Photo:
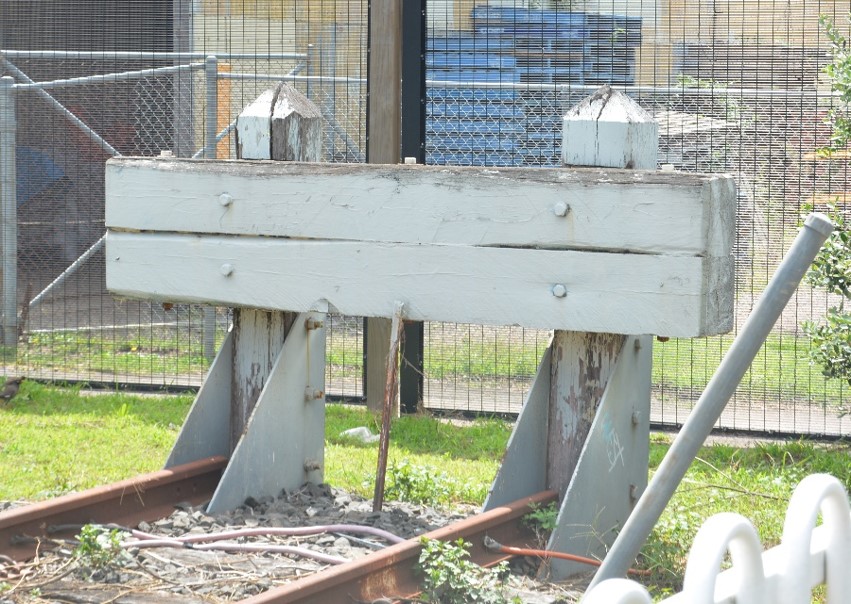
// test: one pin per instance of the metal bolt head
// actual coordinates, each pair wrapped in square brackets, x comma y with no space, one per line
[559,290]
[226,269]
[225,199]
[561,209]
[311,323]
[313,394]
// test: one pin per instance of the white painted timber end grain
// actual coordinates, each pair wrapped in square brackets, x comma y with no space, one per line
[609,129]
[254,128]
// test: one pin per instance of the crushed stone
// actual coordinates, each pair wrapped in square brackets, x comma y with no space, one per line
[193,575]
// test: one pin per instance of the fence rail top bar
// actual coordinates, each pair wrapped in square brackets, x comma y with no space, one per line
[111,77]
[104,55]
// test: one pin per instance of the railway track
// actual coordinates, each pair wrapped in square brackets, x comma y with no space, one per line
[25,530]
[386,574]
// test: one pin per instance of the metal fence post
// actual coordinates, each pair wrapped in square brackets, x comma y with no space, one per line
[211,79]
[9,211]
[412,371]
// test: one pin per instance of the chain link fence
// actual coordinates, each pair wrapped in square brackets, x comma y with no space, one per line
[499,77]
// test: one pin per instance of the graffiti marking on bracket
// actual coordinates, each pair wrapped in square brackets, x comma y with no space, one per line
[614,448]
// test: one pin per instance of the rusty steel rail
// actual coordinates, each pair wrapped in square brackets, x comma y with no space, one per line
[148,497]
[390,573]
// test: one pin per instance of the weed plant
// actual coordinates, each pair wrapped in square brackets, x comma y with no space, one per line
[449,577]
[99,548]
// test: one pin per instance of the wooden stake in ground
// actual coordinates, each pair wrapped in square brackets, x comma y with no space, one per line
[387,409]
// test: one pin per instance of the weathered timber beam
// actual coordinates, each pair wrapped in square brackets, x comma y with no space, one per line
[578,290]
[624,210]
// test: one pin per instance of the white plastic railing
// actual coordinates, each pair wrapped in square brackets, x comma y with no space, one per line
[808,556]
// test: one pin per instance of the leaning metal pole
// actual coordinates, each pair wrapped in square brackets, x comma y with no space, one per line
[711,403]
[211,73]
[8,212]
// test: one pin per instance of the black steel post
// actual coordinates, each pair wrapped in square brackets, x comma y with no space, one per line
[413,145]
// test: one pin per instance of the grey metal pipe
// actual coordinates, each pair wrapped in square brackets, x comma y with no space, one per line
[711,403]
[211,73]
[9,211]
[142,55]
[111,77]
[224,132]
[93,136]
[308,79]
[72,268]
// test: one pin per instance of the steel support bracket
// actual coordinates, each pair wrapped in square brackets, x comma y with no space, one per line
[282,446]
[610,471]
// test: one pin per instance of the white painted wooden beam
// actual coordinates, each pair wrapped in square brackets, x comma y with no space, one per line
[649,212]
[578,290]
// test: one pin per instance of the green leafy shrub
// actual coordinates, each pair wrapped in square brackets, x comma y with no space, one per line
[98,547]
[449,577]
[542,519]
[418,484]
[831,339]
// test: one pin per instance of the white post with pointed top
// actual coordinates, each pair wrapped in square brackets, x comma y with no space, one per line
[610,130]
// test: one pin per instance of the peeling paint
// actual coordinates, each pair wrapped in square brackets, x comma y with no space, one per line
[583,366]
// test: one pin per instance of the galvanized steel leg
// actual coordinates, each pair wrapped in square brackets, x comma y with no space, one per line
[524,466]
[284,442]
[611,472]
[206,431]
[9,212]
[600,475]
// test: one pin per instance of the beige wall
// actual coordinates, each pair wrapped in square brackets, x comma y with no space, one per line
[337,29]
[792,22]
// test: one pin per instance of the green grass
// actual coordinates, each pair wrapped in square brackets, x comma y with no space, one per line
[755,482]
[152,352]
[55,440]
[472,358]
[493,356]
[782,367]
[466,455]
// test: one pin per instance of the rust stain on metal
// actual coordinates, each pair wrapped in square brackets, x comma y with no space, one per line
[128,502]
[390,572]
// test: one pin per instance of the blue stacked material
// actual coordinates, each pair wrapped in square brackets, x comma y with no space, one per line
[559,47]
[467,125]
[523,22]
[483,124]
[36,172]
